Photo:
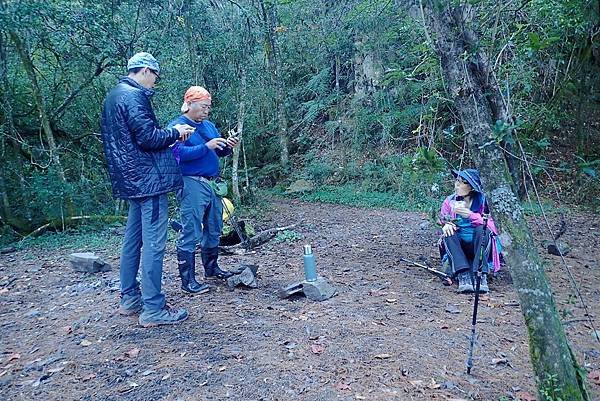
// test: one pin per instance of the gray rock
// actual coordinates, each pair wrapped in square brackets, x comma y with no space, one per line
[244,275]
[424,225]
[88,262]
[318,290]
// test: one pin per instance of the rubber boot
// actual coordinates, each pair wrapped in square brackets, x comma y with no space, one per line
[187,272]
[211,267]
[465,282]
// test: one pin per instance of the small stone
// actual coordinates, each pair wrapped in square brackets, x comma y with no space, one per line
[448,385]
[452,309]
[244,275]
[318,290]
[33,313]
[558,248]
[424,225]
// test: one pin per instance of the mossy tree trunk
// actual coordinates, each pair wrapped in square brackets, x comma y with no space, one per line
[479,104]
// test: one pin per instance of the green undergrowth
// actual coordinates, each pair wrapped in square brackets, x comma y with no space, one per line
[82,239]
[355,196]
[547,207]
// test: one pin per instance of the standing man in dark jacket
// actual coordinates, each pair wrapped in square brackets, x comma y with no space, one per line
[142,170]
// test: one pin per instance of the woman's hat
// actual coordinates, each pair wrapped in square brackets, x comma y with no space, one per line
[471,176]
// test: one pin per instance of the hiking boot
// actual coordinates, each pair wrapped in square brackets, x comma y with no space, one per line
[162,316]
[130,305]
[483,285]
[465,283]
[211,267]
[187,272]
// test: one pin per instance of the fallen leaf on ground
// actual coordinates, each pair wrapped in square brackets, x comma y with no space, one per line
[165,377]
[416,383]
[525,396]
[391,300]
[3,290]
[433,385]
[222,368]
[383,356]
[342,386]
[497,361]
[85,343]
[317,348]
[89,376]
[13,357]
[67,329]
[133,353]
[594,376]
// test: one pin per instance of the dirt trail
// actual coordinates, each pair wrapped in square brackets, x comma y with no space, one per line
[393,332]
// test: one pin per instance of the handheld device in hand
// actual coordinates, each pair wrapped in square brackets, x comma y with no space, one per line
[234,135]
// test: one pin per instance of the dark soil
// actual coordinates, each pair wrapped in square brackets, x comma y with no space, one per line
[392,333]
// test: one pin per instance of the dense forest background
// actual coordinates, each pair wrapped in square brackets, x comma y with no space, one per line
[348,94]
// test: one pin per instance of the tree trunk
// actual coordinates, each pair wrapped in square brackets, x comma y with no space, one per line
[235,162]
[475,95]
[368,69]
[271,20]
[39,101]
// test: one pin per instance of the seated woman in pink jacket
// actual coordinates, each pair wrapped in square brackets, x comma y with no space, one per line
[462,233]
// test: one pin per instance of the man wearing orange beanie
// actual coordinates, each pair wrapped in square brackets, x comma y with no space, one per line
[201,207]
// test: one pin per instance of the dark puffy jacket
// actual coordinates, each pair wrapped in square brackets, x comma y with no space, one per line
[139,160]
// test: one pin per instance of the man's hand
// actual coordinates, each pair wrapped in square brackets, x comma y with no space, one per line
[232,141]
[449,229]
[232,138]
[184,131]
[216,143]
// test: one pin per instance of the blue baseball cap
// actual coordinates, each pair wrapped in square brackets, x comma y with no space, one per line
[143,59]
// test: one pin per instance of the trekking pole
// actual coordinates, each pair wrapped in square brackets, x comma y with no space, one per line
[235,224]
[477,284]
[446,279]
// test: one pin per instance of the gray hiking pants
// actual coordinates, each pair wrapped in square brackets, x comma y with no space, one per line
[145,239]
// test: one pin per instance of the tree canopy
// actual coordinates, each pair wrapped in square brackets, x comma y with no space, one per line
[335,91]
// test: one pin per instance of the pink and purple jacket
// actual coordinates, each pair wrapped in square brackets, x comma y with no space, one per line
[476,220]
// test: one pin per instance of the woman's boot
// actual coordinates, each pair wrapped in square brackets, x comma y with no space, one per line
[465,282]
[187,272]
[483,285]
